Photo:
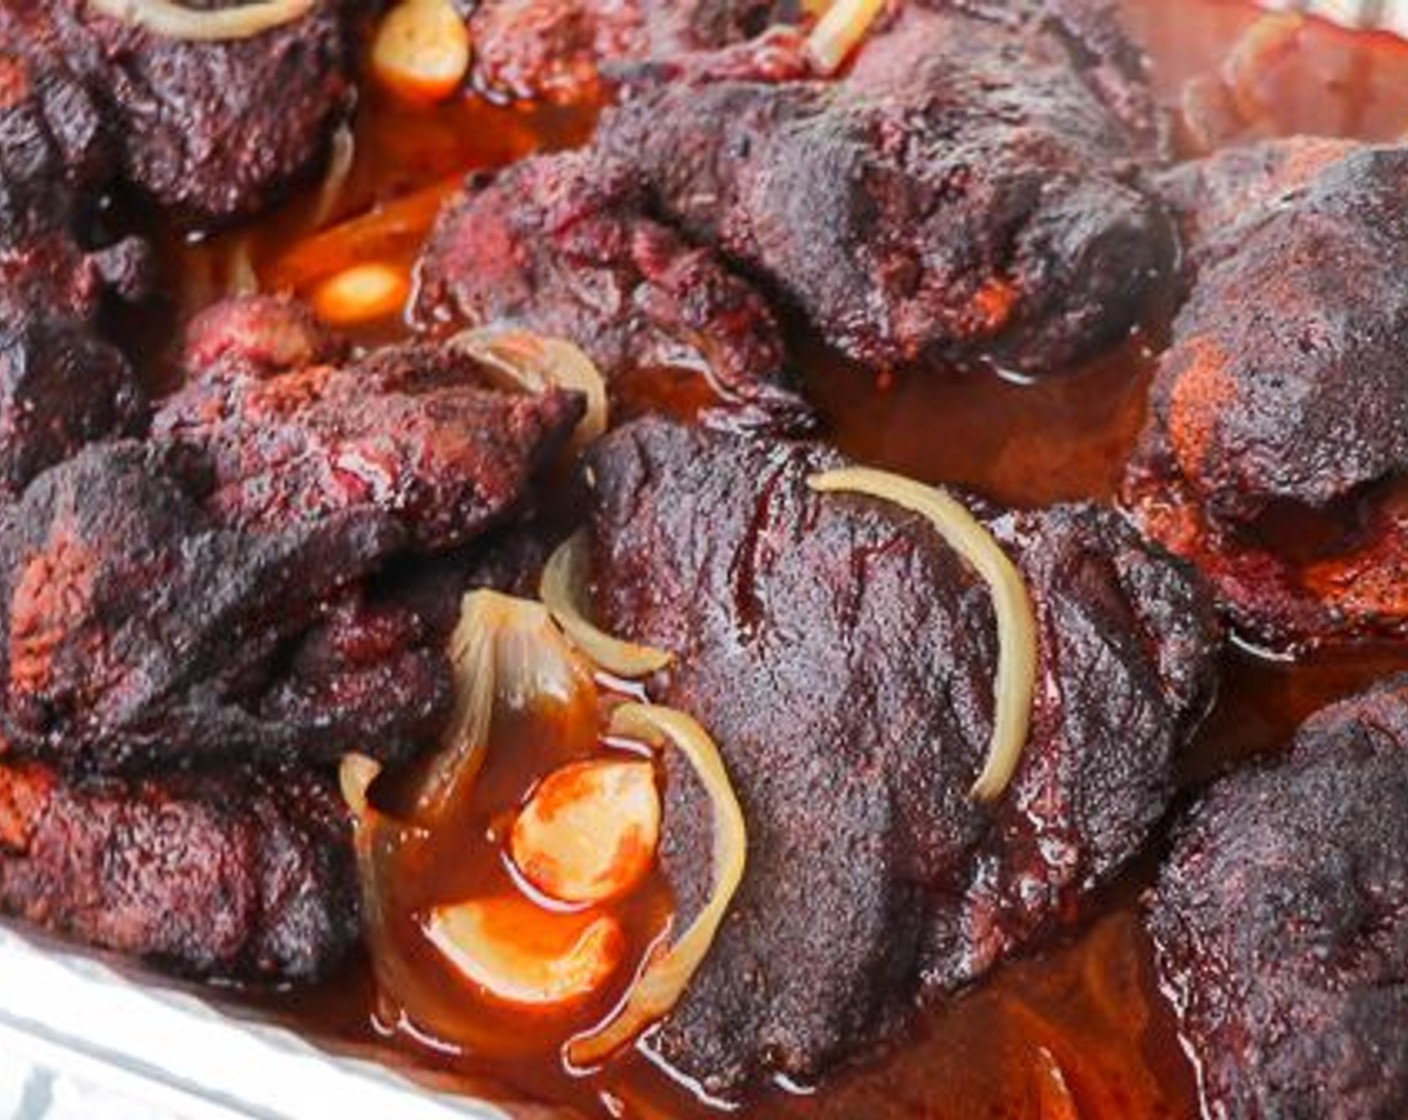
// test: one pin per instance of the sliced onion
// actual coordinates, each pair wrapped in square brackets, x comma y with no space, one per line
[176,21]
[531,362]
[564,576]
[355,777]
[504,650]
[1053,1090]
[342,155]
[242,279]
[380,846]
[1015,686]
[666,975]
[839,32]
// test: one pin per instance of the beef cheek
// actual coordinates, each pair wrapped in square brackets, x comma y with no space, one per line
[62,381]
[1278,433]
[210,131]
[234,876]
[565,246]
[843,658]
[969,188]
[137,630]
[416,433]
[1279,927]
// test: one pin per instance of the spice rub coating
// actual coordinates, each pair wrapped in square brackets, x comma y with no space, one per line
[970,187]
[843,658]
[295,431]
[1278,921]
[232,876]
[566,247]
[1278,434]
[210,131]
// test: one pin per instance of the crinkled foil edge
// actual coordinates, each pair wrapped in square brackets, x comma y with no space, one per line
[71,1027]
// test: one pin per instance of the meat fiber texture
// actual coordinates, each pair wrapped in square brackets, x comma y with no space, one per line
[566,247]
[417,432]
[232,876]
[88,103]
[1279,923]
[843,658]
[210,131]
[139,632]
[223,608]
[970,187]
[62,382]
[155,593]
[135,624]
[554,49]
[1281,398]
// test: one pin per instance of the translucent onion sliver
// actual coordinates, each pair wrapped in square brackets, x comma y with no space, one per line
[561,588]
[532,362]
[667,973]
[173,20]
[380,841]
[341,157]
[503,650]
[839,31]
[1015,686]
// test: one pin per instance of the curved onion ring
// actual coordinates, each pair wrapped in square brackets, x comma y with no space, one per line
[379,843]
[532,362]
[560,591]
[839,32]
[1016,620]
[172,20]
[342,155]
[502,649]
[669,970]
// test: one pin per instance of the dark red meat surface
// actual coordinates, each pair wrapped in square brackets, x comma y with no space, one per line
[210,131]
[233,876]
[1278,429]
[554,49]
[1279,921]
[843,658]
[565,247]
[62,381]
[416,432]
[969,188]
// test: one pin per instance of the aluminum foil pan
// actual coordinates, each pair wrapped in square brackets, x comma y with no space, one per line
[78,1041]
[1365,15]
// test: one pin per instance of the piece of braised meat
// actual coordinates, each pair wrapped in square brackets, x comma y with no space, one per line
[843,658]
[376,671]
[553,49]
[1209,195]
[235,876]
[212,131]
[564,246]
[1278,432]
[137,629]
[62,383]
[1279,928]
[969,188]
[416,433]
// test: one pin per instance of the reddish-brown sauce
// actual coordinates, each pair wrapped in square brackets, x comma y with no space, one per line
[1077,1029]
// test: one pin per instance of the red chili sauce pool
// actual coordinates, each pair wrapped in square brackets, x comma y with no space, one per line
[1074,1029]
